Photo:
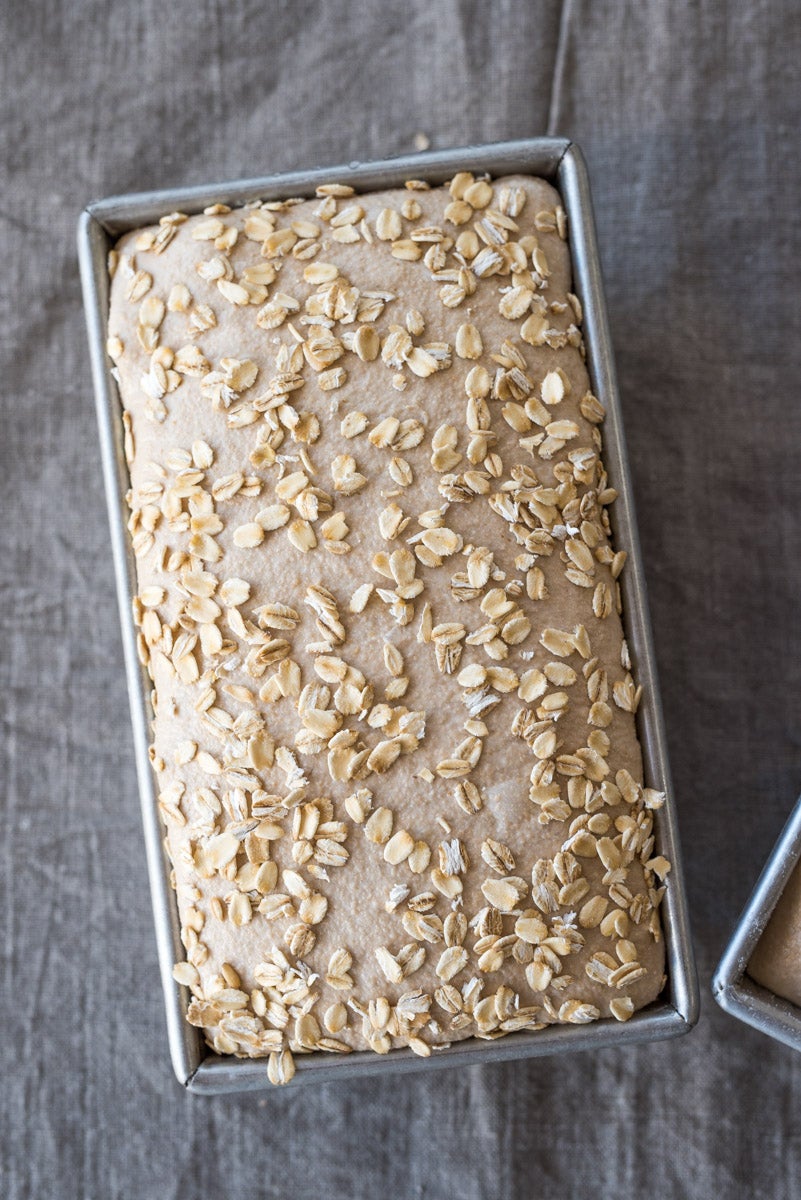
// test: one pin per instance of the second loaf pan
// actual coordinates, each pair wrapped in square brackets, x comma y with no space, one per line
[733,988]
[561,162]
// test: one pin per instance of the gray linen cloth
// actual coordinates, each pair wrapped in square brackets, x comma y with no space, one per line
[689,116]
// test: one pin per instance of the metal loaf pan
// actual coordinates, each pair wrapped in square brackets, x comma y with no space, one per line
[561,162]
[732,987]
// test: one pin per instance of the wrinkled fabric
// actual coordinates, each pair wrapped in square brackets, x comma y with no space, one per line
[688,114]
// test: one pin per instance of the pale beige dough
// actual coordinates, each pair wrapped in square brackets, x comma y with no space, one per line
[276,571]
[776,962]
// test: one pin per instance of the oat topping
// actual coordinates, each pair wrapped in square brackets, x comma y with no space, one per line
[379,602]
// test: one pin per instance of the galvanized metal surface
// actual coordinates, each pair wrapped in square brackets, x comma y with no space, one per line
[734,990]
[561,162]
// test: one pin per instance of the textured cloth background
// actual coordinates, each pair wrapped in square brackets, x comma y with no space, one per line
[689,115]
